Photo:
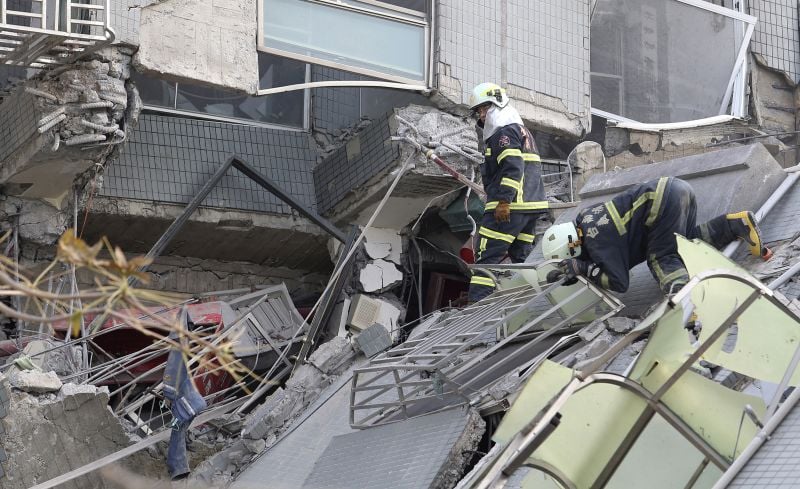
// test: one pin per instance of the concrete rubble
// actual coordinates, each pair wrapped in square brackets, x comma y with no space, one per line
[74,421]
[63,127]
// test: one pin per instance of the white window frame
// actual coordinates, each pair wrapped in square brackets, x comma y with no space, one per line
[422,20]
[735,92]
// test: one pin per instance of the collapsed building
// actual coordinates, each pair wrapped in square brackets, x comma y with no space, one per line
[308,225]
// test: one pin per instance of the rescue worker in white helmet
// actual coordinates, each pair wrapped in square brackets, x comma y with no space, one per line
[606,240]
[512,179]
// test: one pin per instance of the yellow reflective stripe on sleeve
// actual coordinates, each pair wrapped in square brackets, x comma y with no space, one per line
[490,206]
[488,152]
[659,196]
[612,211]
[525,238]
[510,182]
[484,244]
[491,234]
[508,152]
[529,206]
[481,281]
[531,158]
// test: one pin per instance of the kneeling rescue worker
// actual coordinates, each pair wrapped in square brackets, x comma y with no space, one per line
[607,240]
[512,179]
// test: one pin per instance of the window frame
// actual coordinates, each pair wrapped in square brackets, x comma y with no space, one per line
[735,94]
[422,20]
[306,127]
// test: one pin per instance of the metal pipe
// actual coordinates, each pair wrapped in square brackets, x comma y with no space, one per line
[784,187]
[785,277]
[759,440]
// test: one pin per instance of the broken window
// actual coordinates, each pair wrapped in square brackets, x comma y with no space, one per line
[645,65]
[368,37]
[287,109]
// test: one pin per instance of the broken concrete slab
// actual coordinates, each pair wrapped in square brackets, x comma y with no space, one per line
[34,381]
[380,276]
[76,424]
[347,199]
[374,340]
[266,416]
[434,449]
[331,356]
[383,244]
[61,125]
[201,42]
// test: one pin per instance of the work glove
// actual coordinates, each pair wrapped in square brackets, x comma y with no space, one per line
[570,269]
[502,213]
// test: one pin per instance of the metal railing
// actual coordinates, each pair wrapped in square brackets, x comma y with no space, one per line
[42,33]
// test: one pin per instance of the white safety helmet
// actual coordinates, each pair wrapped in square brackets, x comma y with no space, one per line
[488,92]
[561,241]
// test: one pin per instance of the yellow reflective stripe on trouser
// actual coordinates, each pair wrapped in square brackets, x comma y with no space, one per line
[488,152]
[531,158]
[510,182]
[672,277]
[656,206]
[525,238]
[604,282]
[529,206]
[491,234]
[508,152]
[476,280]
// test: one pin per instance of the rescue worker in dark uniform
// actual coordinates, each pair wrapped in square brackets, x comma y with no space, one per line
[607,240]
[512,179]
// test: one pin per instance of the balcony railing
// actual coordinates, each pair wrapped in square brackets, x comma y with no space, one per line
[42,33]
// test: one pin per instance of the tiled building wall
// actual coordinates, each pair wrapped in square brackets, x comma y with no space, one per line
[18,120]
[334,108]
[776,34]
[354,164]
[540,45]
[168,159]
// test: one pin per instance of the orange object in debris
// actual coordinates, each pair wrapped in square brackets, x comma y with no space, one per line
[766,253]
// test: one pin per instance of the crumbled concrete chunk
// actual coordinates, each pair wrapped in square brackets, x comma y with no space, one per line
[383,244]
[330,356]
[621,324]
[380,276]
[35,382]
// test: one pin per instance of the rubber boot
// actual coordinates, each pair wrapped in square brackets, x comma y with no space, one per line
[743,225]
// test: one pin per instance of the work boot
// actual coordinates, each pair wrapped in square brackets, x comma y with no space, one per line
[743,225]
